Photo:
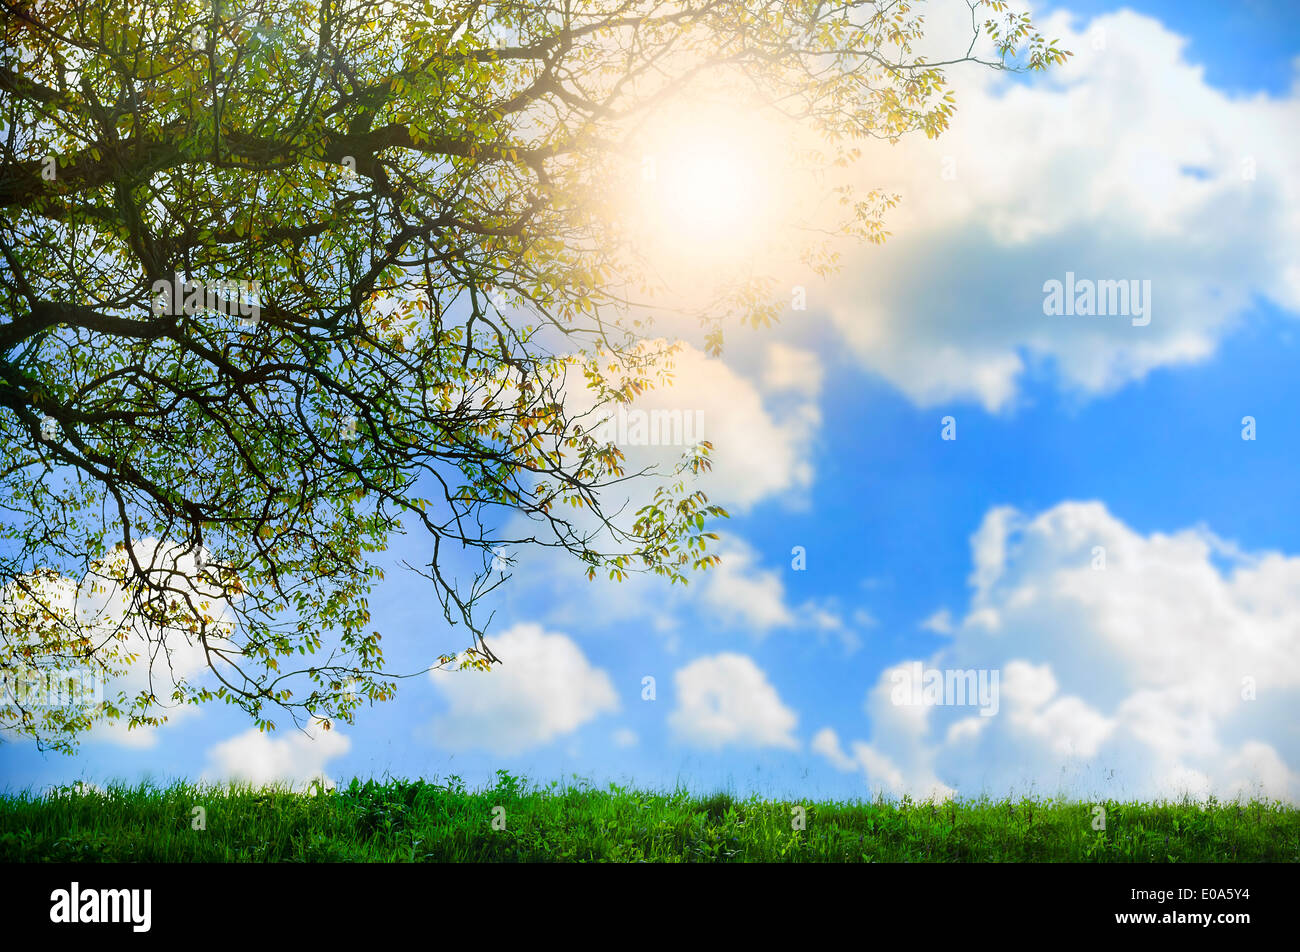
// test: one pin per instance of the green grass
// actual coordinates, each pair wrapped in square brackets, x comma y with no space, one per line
[399,821]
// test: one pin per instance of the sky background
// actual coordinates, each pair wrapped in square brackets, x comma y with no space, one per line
[1166,150]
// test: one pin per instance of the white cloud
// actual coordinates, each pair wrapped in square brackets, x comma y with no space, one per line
[544,688]
[742,593]
[626,738]
[757,452]
[738,592]
[792,369]
[760,450]
[827,743]
[1130,680]
[162,658]
[726,700]
[260,758]
[940,622]
[881,772]
[1124,164]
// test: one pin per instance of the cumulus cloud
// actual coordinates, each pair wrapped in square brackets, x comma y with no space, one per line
[1131,665]
[160,658]
[726,700]
[884,774]
[827,743]
[760,450]
[940,622]
[792,369]
[744,593]
[1123,165]
[261,759]
[738,591]
[762,436]
[546,688]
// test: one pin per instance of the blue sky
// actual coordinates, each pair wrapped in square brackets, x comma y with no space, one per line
[973,553]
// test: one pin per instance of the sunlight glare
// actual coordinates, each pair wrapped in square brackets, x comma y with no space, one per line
[708,193]
[705,192]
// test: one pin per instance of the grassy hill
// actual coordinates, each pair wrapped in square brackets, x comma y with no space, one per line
[418,821]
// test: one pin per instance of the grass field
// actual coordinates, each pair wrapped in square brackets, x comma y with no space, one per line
[417,821]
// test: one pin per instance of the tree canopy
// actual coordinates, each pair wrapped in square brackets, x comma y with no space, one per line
[281,279]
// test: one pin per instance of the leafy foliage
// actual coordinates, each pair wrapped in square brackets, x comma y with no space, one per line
[421,201]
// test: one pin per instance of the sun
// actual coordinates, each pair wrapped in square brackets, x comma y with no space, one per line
[717,197]
[705,192]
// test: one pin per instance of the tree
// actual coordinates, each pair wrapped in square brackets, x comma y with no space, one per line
[283,278]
